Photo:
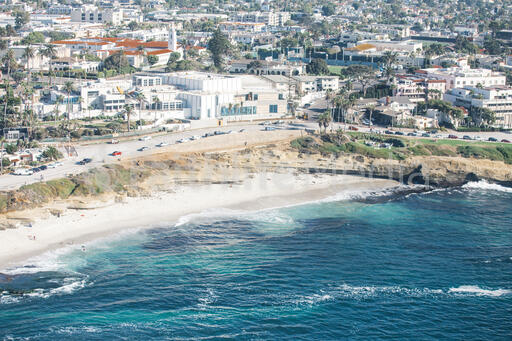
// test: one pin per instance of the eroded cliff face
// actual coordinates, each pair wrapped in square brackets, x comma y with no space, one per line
[162,172]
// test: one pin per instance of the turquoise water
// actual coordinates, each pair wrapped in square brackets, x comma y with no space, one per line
[435,265]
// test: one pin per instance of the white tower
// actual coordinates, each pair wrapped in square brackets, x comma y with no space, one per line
[172,43]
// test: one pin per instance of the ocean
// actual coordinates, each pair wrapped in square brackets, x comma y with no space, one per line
[434,265]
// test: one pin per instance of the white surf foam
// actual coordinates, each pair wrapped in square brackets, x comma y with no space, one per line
[486,186]
[477,291]
[346,291]
[69,286]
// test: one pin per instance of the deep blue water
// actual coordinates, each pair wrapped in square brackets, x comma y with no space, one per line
[427,266]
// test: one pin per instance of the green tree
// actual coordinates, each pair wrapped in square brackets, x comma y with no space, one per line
[152,60]
[33,38]
[69,88]
[328,9]
[51,153]
[128,110]
[117,62]
[21,18]
[324,120]
[361,74]
[218,46]
[50,52]
[317,67]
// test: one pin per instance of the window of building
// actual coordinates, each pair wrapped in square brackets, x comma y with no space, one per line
[91,17]
[272,108]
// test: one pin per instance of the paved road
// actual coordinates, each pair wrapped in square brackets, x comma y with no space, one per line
[100,154]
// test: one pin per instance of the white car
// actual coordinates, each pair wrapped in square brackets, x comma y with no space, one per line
[182,140]
[23,171]
[162,144]
[145,138]
[195,137]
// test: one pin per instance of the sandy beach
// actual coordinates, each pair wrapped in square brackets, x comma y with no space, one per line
[95,218]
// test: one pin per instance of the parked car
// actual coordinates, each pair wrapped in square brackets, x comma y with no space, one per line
[54,164]
[269,128]
[453,136]
[162,144]
[466,137]
[353,128]
[145,138]
[116,153]
[411,134]
[43,167]
[195,137]
[425,135]
[241,130]
[208,134]
[492,139]
[23,171]
[399,133]
[85,161]
[36,169]
[182,140]
[143,149]
[113,141]
[505,141]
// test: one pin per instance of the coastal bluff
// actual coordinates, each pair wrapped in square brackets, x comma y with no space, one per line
[144,176]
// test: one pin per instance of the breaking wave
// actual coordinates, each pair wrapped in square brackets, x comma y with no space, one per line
[486,186]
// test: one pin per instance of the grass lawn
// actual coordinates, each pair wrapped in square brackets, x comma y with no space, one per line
[335,69]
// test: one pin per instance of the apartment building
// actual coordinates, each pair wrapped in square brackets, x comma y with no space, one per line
[416,88]
[268,18]
[94,14]
[460,77]
[307,84]
[496,98]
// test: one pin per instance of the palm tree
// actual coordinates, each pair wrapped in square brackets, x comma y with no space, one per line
[50,52]
[2,138]
[58,101]
[142,50]
[157,101]
[370,109]
[29,53]
[69,88]
[128,109]
[141,98]
[324,120]
[10,61]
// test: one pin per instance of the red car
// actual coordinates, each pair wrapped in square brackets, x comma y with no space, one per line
[116,153]
[505,141]
[353,128]
[452,137]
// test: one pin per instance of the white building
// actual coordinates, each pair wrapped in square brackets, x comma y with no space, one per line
[307,84]
[495,98]
[93,14]
[459,77]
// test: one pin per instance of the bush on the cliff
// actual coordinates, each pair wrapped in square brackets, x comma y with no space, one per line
[480,152]
[506,151]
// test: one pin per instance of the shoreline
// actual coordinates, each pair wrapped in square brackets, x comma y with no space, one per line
[83,224]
